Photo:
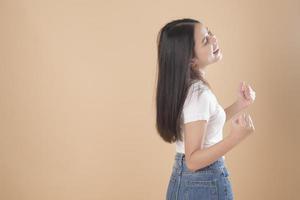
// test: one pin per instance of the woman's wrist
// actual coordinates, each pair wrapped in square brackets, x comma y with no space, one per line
[240,105]
[235,137]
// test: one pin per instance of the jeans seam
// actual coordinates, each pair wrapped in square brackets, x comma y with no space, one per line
[179,179]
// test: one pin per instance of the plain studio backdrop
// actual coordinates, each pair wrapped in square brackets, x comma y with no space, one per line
[77,104]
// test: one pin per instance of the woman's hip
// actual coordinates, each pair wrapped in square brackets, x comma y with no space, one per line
[210,182]
[217,167]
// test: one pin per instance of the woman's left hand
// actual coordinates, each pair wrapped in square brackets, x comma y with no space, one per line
[246,95]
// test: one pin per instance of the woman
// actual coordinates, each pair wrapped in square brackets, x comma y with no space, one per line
[189,113]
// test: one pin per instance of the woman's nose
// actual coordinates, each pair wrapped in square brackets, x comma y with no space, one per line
[213,39]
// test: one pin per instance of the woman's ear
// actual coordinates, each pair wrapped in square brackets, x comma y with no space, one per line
[193,62]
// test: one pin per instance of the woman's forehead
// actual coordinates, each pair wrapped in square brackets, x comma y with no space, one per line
[202,31]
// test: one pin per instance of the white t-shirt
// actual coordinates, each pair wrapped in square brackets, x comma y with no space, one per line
[204,107]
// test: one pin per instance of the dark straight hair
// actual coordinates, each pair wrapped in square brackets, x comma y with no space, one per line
[175,43]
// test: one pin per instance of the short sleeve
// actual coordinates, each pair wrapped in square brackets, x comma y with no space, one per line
[198,106]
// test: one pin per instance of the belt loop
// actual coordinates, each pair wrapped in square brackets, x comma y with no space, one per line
[222,170]
[182,158]
[180,176]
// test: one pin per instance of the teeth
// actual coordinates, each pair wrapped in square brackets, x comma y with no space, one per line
[216,50]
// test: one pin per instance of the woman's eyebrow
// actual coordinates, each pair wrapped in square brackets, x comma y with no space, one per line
[208,31]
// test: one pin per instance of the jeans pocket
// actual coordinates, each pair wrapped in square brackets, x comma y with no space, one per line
[201,190]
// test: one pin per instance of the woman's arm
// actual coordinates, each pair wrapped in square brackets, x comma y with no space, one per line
[201,158]
[198,157]
[233,109]
[246,96]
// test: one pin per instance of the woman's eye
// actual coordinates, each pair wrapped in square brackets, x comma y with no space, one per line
[206,41]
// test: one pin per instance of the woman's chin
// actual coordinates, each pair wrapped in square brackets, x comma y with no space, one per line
[214,58]
[218,56]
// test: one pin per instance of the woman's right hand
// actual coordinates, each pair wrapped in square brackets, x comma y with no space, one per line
[241,126]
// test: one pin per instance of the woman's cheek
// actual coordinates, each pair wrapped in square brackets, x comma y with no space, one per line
[205,52]
[207,55]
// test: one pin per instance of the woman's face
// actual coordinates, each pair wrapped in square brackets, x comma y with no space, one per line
[205,46]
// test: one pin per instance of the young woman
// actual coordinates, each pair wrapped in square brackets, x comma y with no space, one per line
[189,114]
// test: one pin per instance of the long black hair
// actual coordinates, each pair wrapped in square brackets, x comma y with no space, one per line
[175,43]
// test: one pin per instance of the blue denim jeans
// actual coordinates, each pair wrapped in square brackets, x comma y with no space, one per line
[208,183]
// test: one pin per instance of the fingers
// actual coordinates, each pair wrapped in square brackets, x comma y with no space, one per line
[242,120]
[246,120]
[250,93]
[241,86]
[251,123]
[247,92]
[248,125]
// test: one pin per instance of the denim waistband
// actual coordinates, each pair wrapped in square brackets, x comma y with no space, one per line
[180,164]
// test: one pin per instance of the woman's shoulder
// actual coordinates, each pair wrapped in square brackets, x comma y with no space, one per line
[199,95]
[198,89]
[199,85]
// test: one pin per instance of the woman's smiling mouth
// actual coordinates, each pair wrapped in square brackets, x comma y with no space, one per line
[216,51]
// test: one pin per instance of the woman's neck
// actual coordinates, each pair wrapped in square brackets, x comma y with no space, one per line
[202,71]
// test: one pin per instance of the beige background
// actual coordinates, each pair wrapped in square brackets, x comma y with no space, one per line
[77,86]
